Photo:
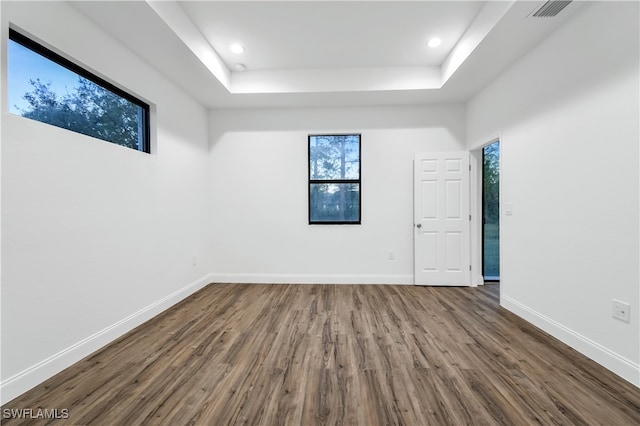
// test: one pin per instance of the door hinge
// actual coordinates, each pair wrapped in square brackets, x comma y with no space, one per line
[469,267]
[469,218]
[469,167]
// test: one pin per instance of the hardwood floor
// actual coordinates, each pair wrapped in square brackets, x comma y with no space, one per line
[336,354]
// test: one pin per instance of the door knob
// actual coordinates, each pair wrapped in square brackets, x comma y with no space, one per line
[419,225]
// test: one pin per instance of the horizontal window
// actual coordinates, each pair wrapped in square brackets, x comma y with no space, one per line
[46,87]
[334,179]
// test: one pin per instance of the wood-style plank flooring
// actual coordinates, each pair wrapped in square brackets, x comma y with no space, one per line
[336,355]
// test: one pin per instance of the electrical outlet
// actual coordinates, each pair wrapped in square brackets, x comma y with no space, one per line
[194,260]
[391,255]
[621,310]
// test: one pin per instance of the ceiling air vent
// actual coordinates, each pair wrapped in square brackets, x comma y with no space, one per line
[551,8]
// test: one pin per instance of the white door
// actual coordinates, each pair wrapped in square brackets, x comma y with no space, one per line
[441,216]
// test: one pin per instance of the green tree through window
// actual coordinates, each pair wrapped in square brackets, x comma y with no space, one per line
[491,211]
[63,94]
[90,109]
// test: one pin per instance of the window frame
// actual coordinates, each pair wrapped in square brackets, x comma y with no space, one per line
[335,181]
[18,37]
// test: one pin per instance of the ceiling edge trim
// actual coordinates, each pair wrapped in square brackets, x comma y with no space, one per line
[180,23]
[487,19]
[329,80]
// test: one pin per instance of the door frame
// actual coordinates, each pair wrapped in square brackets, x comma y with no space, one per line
[475,150]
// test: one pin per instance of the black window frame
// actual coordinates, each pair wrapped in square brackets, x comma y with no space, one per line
[335,181]
[36,47]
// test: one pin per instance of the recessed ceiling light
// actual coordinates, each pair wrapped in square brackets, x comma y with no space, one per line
[434,42]
[240,67]
[237,48]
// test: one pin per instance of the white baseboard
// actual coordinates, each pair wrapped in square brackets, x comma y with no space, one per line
[619,365]
[38,373]
[312,278]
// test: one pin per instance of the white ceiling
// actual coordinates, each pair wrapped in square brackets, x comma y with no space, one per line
[297,35]
[326,53]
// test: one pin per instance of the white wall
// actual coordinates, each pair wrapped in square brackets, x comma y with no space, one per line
[96,238]
[568,113]
[259,184]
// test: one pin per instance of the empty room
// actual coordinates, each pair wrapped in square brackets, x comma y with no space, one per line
[320,212]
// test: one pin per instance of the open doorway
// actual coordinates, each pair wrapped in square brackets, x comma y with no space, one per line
[491,212]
